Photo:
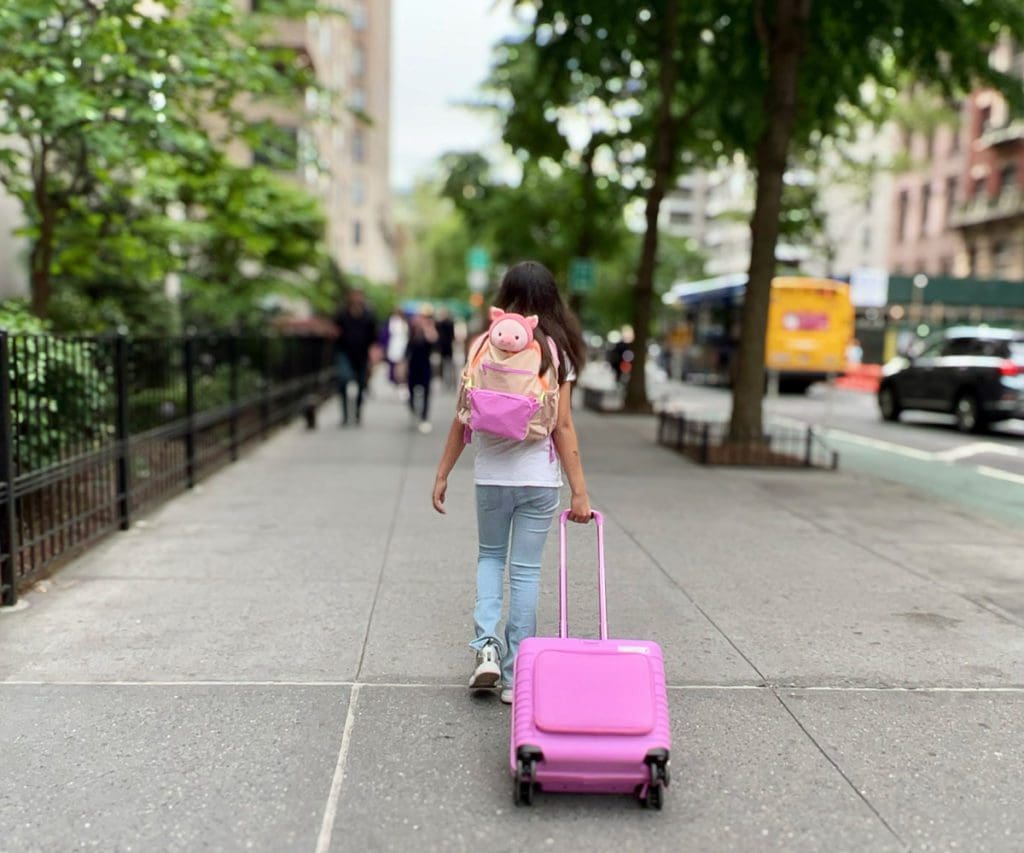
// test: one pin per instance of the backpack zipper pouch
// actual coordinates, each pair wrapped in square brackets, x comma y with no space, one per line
[500,413]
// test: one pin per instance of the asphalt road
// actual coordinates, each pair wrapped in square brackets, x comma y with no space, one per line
[984,473]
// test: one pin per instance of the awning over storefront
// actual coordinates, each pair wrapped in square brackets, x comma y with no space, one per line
[721,290]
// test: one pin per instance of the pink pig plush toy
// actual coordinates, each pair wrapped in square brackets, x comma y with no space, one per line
[511,332]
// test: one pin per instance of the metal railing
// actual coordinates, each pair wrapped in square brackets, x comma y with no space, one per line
[95,430]
[709,443]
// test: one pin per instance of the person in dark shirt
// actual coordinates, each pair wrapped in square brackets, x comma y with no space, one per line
[357,332]
[445,346]
[422,340]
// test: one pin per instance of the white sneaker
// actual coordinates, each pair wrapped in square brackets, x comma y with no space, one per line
[425,427]
[488,668]
[506,695]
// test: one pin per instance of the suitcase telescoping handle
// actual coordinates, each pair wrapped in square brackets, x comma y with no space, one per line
[563,601]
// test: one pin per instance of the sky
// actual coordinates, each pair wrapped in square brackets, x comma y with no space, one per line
[441,51]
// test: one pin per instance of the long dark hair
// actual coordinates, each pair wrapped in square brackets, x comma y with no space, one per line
[529,288]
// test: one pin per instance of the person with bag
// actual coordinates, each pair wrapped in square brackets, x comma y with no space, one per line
[514,406]
[357,332]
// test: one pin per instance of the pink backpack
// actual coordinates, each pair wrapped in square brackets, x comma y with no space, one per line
[501,392]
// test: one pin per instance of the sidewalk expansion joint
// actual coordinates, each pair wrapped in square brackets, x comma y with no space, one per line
[387,552]
[1011,689]
[323,841]
[693,602]
[842,773]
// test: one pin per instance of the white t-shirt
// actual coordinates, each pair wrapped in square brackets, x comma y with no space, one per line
[507,462]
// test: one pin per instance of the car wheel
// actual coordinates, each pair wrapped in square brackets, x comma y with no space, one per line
[888,403]
[968,413]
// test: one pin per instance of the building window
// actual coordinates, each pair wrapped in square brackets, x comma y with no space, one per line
[929,144]
[954,143]
[680,218]
[358,61]
[926,203]
[901,215]
[358,191]
[1008,178]
[1000,258]
[357,233]
[865,239]
[358,16]
[972,260]
[950,197]
[978,188]
[984,119]
[947,267]
[359,145]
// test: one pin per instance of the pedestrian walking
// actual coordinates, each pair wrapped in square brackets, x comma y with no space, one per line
[357,332]
[518,481]
[396,331]
[446,347]
[422,340]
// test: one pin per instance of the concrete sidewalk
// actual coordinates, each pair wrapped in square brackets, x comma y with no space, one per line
[276,662]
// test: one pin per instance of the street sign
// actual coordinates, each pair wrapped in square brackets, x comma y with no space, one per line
[477,280]
[869,287]
[582,275]
[478,258]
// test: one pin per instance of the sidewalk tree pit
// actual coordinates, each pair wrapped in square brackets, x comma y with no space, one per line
[710,443]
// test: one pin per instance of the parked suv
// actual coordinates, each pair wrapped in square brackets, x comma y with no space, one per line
[975,374]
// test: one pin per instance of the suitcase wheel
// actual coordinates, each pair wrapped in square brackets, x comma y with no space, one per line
[653,800]
[524,781]
[652,794]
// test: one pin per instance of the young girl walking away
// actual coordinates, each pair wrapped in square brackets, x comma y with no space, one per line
[518,482]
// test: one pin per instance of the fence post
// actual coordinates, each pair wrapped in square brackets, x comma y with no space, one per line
[8,522]
[233,392]
[123,438]
[705,440]
[265,391]
[808,447]
[190,409]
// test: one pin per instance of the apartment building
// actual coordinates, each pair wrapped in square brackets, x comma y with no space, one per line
[989,216]
[925,198]
[713,207]
[352,55]
[339,142]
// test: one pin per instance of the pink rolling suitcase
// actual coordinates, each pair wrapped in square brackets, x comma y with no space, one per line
[589,716]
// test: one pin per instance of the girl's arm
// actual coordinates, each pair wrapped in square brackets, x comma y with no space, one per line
[453,447]
[568,447]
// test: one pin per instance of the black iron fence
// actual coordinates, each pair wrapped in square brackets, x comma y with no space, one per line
[95,430]
[779,445]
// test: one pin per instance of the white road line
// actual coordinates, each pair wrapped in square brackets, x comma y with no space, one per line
[323,841]
[976,449]
[878,444]
[999,474]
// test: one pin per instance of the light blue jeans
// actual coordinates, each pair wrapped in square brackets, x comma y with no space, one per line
[513,522]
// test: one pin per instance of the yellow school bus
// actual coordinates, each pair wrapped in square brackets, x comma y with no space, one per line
[810,325]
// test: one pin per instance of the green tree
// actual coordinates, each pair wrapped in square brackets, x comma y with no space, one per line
[99,96]
[794,69]
[640,77]
[434,240]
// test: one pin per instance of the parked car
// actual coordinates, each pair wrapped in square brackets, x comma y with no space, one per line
[976,374]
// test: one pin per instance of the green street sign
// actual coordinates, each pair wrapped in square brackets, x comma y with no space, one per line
[582,275]
[478,258]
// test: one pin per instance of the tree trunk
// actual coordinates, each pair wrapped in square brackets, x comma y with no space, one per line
[585,243]
[40,260]
[664,163]
[784,40]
